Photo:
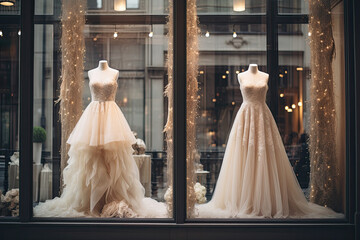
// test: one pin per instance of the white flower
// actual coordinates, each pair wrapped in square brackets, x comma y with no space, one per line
[13,192]
[7,199]
[200,192]
[168,194]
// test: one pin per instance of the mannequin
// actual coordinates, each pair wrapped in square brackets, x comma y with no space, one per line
[103,71]
[253,74]
[256,178]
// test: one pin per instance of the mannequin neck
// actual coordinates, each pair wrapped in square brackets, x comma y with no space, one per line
[103,65]
[253,68]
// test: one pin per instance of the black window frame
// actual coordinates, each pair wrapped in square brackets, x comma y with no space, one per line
[26,226]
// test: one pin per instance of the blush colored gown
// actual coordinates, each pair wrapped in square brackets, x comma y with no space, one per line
[256,178]
[101,169]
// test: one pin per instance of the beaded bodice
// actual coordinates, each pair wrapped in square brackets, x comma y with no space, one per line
[103,89]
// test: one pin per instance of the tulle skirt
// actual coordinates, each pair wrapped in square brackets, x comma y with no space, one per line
[101,172]
[256,178]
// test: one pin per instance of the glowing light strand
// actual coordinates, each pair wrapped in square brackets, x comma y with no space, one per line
[191,101]
[322,144]
[71,79]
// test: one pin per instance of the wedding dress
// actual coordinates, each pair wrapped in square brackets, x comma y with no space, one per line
[101,178]
[256,178]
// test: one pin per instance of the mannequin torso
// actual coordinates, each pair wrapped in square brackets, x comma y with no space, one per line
[103,72]
[103,82]
[253,76]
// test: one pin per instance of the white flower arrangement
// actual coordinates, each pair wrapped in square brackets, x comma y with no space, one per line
[200,192]
[9,203]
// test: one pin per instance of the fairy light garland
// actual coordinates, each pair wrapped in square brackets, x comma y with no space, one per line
[71,79]
[192,26]
[192,53]
[322,144]
[169,93]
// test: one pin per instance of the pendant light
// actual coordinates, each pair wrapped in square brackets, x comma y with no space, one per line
[115,33]
[234,32]
[7,3]
[239,5]
[120,5]
[151,33]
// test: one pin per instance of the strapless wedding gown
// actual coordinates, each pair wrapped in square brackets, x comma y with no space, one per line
[101,169]
[256,178]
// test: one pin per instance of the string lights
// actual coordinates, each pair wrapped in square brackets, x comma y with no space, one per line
[191,102]
[169,93]
[192,53]
[322,144]
[71,79]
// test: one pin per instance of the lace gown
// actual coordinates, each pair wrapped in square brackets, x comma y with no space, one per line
[256,178]
[101,169]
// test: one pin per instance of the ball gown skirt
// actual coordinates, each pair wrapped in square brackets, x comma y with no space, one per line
[101,169]
[256,178]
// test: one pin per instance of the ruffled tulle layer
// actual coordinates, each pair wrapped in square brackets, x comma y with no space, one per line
[256,177]
[97,177]
[101,123]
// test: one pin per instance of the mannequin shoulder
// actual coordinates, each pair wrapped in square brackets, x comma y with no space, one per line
[241,76]
[114,73]
[91,72]
[264,76]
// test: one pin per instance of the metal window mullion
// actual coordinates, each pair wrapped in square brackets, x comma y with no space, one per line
[179,127]
[272,54]
[26,108]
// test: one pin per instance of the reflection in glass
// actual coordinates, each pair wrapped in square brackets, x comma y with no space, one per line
[293,7]
[231,6]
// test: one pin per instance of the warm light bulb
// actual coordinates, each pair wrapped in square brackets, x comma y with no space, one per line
[120,5]
[207,34]
[151,34]
[293,106]
[223,76]
[281,95]
[201,72]
[115,34]
[19,32]
[233,103]
[237,72]
[7,3]
[309,34]
[299,104]
[1,33]
[227,72]
[286,108]
[289,110]
[214,99]
[234,34]
[299,69]
[239,5]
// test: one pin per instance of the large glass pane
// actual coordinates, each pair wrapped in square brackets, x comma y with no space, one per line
[117,162]
[252,160]
[293,7]
[9,119]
